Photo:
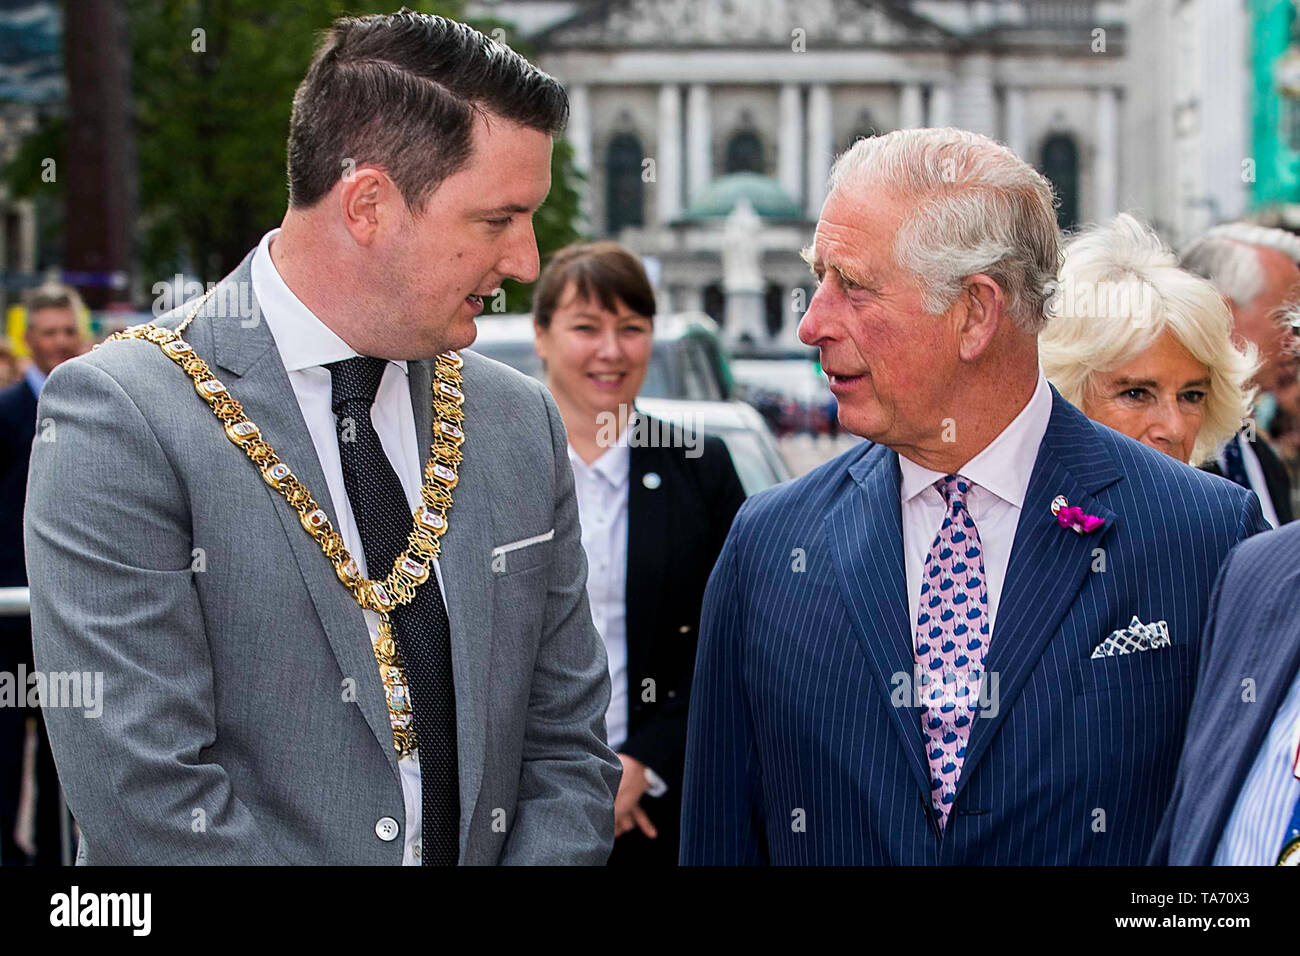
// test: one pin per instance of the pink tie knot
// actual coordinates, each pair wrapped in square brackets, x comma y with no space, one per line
[954,489]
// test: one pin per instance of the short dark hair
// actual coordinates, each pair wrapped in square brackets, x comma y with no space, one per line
[603,272]
[401,91]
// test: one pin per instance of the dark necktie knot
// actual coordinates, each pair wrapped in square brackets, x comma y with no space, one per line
[355,379]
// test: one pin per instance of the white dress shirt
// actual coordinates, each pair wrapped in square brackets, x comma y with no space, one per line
[601,489]
[1255,473]
[1000,475]
[306,345]
[602,492]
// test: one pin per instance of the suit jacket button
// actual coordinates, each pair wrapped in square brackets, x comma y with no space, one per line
[386,829]
[684,629]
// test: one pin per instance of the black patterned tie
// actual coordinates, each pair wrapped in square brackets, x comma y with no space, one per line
[421,628]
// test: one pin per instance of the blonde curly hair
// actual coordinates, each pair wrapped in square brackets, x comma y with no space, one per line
[1120,288]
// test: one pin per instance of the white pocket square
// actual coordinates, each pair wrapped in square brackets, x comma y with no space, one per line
[1133,639]
[524,543]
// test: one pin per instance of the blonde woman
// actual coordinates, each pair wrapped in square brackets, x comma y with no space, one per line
[1144,347]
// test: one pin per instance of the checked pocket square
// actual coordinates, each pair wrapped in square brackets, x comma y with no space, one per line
[1134,638]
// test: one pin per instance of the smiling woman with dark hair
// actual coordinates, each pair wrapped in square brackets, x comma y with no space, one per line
[655,506]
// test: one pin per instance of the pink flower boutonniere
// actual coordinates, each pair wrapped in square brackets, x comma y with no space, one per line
[1078,522]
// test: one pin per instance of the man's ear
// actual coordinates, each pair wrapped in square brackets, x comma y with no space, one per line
[365,194]
[978,313]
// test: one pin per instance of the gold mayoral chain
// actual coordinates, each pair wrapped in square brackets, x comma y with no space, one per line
[413,566]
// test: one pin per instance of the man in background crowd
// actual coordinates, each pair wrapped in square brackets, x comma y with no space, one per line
[1255,269]
[52,337]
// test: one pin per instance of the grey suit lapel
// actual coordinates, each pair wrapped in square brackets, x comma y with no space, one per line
[251,368]
[466,574]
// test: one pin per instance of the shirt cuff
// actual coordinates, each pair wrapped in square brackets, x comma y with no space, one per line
[657,787]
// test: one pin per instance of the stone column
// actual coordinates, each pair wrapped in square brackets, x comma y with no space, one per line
[699,140]
[940,105]
[911,107]
[668,162]
[821,146]
[1015,132]
[974,101]
[579,136]
[1106,169]
[790,145]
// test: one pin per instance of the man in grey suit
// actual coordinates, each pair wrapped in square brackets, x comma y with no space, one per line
[264,701]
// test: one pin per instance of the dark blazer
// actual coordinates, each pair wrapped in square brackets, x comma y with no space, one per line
[1276,478]
[675,532]
[800,750]
[17,432]
[1253,631]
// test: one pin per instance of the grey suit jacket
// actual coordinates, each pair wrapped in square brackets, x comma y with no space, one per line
[243,716]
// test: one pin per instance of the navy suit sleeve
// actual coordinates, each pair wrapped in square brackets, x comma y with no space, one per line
[722,821]
[1252,522]
[1252,518]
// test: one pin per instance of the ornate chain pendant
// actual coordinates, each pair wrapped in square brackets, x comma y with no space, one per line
[413,566]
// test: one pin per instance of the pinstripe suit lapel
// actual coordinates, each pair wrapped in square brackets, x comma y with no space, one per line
[1048,565]
[864,530]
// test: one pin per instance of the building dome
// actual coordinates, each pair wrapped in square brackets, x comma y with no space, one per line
[765,195]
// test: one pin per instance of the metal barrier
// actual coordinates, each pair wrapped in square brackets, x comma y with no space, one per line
[17,602]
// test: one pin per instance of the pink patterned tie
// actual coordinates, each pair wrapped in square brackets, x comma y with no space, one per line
[952,635]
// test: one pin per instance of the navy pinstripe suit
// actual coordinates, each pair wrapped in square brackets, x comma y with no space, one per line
[797,754]
[1253,632]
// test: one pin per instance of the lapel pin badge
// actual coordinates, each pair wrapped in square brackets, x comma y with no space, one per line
[652,480]
[1072,517]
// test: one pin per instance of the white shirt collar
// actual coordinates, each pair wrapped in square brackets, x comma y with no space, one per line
[303,340]
[1005,465]
[613,465]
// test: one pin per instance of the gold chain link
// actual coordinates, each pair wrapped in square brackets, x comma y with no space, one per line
[412,567]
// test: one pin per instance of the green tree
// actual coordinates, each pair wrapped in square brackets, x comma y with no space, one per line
[212,127]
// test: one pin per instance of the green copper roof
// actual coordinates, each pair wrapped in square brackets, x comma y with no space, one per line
[764,193]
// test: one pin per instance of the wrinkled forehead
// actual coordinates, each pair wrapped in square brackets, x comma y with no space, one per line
[858,222]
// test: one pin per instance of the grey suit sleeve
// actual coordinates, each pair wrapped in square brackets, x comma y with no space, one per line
[569,777]
[109,557]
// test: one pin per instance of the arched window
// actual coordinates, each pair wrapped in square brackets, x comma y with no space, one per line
[774,305]
[1060,164]
[745,153]
[715,302]
[624,190]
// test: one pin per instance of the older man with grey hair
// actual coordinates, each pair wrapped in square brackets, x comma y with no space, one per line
[971,638]
[1255,267]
